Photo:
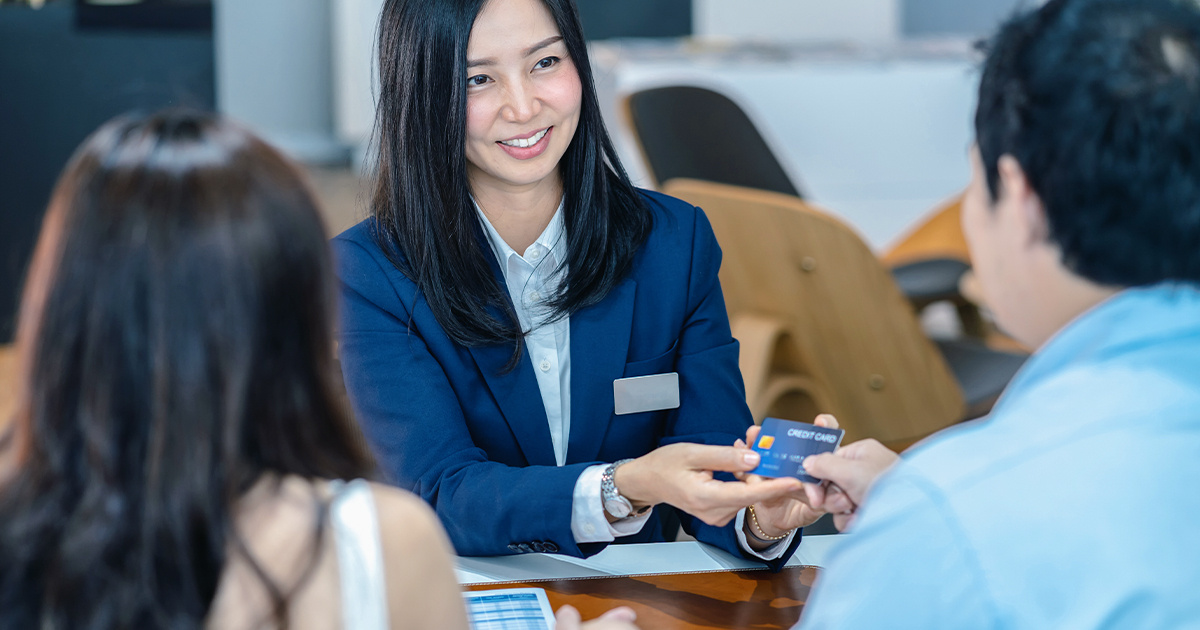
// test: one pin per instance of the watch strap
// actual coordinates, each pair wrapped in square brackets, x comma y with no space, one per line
[609,491]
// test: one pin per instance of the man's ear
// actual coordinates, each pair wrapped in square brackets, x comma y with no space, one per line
[1016,191]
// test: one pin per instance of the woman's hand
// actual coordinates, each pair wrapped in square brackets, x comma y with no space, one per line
[682,475]
[850,470]
[780,515]
[620,618]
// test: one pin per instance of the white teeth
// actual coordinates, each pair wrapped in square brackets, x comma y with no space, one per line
[525,143]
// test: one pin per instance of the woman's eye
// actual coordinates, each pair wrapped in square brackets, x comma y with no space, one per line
[547,62]
[479,79]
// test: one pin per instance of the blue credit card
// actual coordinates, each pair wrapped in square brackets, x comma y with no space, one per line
[784,444]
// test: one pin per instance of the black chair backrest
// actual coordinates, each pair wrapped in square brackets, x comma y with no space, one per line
[692,132]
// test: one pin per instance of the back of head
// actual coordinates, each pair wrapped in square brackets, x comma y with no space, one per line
[1099,102]
[178,329]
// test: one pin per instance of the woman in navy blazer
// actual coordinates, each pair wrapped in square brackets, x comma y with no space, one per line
[509,275]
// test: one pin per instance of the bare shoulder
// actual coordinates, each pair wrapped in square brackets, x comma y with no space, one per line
[412,538]
[404,518]
[395,503]
[418,562]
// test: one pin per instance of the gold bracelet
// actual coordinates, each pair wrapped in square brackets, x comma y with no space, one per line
[758,532]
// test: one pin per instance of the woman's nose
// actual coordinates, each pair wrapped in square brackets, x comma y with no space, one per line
[522,103]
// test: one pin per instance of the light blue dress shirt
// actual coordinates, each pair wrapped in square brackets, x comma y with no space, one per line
[1073,505]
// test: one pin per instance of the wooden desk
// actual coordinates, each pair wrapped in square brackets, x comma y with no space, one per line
[670,585]
[685,601]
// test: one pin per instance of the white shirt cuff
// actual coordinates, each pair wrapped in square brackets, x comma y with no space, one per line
[770,553]
[588,521]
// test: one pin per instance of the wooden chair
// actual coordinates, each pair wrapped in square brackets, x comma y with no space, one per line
[822,325]
[937,235]
[685,131]
[8,384]
[693,132]
[930,261]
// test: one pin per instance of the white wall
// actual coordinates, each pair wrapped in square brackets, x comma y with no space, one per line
[965,17]
[355,69]
[799,20]
[274,73]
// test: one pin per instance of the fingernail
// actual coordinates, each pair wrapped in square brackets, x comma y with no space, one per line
[739,443]
[751,458]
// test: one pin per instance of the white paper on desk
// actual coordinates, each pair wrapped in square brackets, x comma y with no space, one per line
[525,567]
[509,609]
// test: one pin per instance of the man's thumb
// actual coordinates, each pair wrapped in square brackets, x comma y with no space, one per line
[828,467]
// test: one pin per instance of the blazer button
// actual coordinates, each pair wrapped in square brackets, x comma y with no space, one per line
[525,548]
[551,547]
[513,547]
[539,547]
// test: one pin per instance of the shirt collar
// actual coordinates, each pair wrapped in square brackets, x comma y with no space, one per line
[1132,319]
[549,242]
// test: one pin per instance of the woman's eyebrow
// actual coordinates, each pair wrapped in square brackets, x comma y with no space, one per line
[542,44]
[489,61]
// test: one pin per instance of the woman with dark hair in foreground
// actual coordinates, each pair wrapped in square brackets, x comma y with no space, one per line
[179,420]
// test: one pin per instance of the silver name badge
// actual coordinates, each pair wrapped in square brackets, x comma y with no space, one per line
[646,393]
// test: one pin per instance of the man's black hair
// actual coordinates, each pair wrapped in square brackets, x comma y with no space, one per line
[1099,102]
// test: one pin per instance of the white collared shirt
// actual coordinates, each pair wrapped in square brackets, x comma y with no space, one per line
[532,278]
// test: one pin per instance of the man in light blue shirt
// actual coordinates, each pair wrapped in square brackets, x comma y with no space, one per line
[1074,504]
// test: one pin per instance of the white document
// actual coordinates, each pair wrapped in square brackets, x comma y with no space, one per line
[509,609]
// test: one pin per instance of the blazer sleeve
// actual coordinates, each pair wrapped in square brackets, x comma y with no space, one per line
[413,419]
[712,396]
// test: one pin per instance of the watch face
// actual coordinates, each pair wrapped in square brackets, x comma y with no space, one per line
[618,507]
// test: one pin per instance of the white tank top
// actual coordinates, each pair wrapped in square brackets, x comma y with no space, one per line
[360,556]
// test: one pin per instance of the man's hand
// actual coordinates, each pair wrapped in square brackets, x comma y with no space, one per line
[850,471]
[682,475]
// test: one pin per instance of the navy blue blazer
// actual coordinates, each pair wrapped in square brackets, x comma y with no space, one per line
[449,423]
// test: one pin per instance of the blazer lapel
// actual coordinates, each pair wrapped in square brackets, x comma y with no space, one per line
[515,391]
[599,346]
[520,401]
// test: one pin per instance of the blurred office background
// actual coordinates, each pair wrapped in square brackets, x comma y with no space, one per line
[866,103]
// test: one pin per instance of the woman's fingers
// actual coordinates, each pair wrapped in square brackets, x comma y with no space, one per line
[752,433]
[619,618]
[620,613]
[567,618]
[826,420]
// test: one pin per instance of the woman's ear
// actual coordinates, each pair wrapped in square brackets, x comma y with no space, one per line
[1022,201]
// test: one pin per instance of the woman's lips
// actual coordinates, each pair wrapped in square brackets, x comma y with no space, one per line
[536,141]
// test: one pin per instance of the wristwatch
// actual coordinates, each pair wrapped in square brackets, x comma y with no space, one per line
[614,503]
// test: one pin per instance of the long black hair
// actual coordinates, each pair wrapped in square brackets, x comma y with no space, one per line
[177,348]
[424,218]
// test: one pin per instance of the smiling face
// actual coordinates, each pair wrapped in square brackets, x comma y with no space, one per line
[523,98]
